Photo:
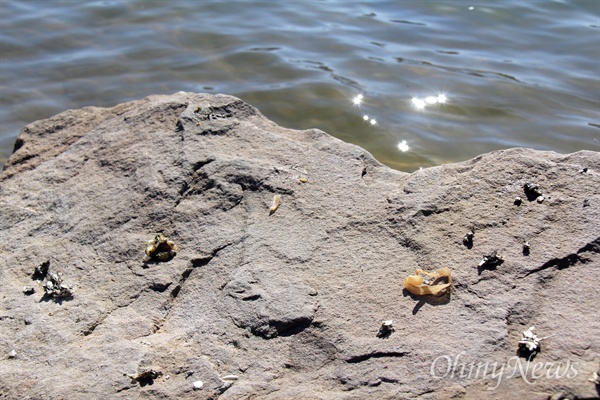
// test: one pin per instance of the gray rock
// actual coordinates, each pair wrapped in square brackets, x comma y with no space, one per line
[289,302]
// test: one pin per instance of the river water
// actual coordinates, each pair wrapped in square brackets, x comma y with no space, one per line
[416,83]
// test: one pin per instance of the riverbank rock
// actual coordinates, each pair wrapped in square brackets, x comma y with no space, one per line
[260,304]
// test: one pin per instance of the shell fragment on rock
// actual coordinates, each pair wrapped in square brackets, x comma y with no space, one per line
[490,260]
[55,287]
[198,385]
[386,329]
[530,341]
[145,376]
[227,382]
[275,203]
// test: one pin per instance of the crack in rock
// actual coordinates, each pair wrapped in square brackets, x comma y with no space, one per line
[379,354]
[196,263]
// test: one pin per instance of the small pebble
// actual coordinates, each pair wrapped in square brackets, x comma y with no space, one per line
[540,199]
[230,378]
[518,201]
[198,385]
[12,354]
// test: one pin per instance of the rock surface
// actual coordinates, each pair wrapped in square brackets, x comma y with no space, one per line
[287,305]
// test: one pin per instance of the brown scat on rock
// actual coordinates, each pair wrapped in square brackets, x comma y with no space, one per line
[290,303]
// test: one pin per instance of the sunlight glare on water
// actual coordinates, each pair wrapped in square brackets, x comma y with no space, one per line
[417,83]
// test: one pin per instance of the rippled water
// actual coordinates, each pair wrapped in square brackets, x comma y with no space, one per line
[515,73]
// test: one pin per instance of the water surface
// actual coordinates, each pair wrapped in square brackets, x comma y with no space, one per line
[515,73]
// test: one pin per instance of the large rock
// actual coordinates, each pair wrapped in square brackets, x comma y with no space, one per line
[290,302]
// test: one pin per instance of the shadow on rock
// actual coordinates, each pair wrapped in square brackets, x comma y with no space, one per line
[58,300]
[427,299]
[527,354]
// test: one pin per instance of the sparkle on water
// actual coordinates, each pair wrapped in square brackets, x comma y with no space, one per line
[420,104]
[431,99]
[364,58]
[403,146]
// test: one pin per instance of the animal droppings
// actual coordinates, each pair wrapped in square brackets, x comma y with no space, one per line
[160,249]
